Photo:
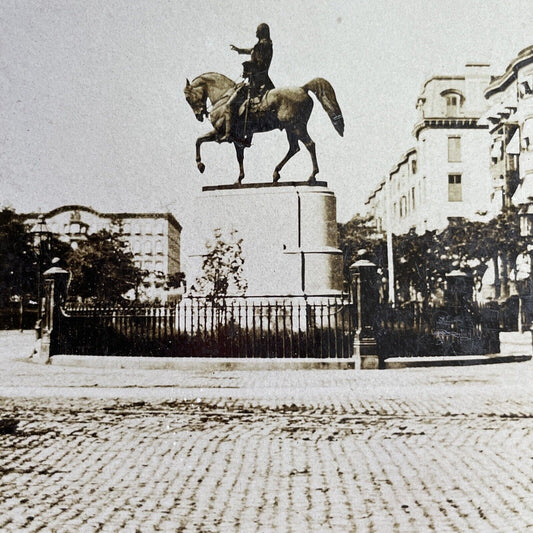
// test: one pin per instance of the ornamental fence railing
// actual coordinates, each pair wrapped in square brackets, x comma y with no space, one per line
[197,327]
[417,330]
[285,328]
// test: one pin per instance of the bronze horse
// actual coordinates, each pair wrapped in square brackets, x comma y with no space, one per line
[286,108]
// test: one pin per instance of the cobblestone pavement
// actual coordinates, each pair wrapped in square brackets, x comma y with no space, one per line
[414,450]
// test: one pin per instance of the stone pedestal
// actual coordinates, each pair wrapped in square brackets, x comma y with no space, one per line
[289,233]
[515,343]
[365,351]
[55,292]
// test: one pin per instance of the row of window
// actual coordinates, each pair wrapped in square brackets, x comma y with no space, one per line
[400,177]
[147,247]
[408,202]
[148,228]
[150,265]
[74,228]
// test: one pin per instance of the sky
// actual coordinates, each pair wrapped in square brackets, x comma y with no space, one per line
[92,110]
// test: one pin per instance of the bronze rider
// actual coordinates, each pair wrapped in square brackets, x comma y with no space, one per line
[256,70]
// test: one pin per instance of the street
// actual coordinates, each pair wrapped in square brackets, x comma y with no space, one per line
[414,450]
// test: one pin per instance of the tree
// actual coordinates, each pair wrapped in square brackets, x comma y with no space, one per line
[474,244]
[357,234]
[176,280]
[18,259]
[102,269]
[222,267]
[420,265]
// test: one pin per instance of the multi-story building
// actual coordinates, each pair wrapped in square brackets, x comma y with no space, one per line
[396,201]
[153,238]
[446,174]
[510,119]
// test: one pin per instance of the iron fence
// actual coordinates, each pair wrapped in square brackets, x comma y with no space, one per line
[425,330]
[288,328]
[198,327]
[14,316]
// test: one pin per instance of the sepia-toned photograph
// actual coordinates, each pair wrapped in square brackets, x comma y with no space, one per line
[266,266]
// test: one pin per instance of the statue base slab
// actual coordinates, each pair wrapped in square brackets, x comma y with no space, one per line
[289,235]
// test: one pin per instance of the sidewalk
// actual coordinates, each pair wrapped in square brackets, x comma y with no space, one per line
[132,377]
[19,344]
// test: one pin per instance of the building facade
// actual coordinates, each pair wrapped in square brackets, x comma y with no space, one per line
[446,173]
[153,238]
[510,121]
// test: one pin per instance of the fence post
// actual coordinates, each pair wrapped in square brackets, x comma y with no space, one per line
[55,292]
[365,290]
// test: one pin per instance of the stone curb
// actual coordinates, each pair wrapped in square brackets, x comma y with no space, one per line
[229,364]
[200,363]
[463,360]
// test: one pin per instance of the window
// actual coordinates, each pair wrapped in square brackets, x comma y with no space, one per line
[413,166]
[526,86]
[403,206]
[148,247]
[413,203]
[452,105]
[454,149]
[496,152]
[455,193]
[527,134]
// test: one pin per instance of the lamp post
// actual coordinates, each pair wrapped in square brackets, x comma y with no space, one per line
[41,234]
[525,214]
[365,291]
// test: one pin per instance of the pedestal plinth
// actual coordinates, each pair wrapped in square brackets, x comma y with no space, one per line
[289,233]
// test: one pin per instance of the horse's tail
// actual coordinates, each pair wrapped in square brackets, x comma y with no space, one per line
[326,96]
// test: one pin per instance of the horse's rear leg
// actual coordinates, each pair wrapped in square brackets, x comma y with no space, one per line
[310,145]
[208,137]
[239,149]
[293,149]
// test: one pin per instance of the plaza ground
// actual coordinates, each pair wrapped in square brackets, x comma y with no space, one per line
[418,449]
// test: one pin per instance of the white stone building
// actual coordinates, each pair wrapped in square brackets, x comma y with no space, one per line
[446,173]
[153,238]
[510,120]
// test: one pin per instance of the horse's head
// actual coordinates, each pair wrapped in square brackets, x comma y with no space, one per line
[196,97]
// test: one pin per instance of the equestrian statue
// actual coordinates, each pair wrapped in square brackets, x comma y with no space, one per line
[239,110]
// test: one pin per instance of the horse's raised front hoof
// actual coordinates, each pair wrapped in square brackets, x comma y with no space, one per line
[276,176]
[201,167]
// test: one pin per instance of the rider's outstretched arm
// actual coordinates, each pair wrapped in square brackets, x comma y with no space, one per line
[241,50]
